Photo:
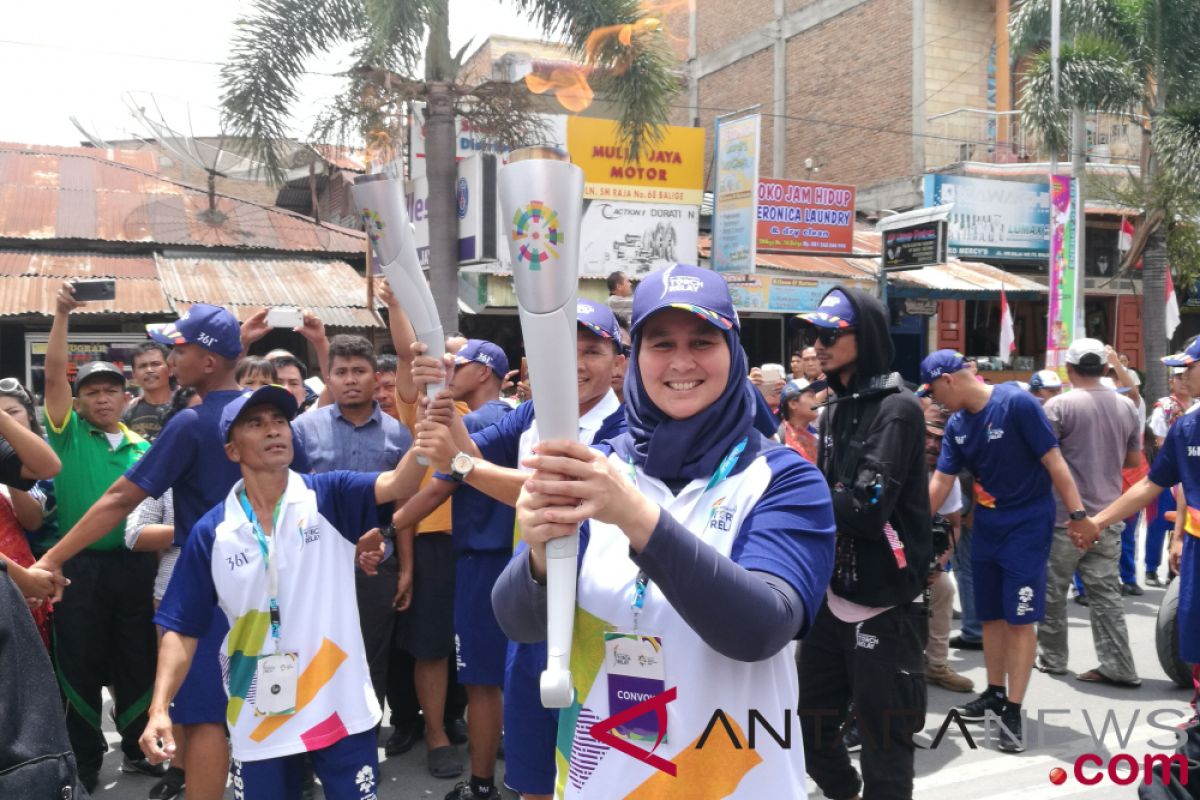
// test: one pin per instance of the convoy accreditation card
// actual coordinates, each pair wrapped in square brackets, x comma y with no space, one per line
[277,678]
[635,674]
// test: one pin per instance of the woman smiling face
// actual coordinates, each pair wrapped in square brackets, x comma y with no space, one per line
[683,362]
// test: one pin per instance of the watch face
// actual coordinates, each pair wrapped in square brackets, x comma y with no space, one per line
[462,463]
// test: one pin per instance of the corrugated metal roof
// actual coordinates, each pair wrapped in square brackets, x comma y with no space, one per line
[30,280]
[144,159]
[332,289]
[866,245]
[958,278]
[75,195]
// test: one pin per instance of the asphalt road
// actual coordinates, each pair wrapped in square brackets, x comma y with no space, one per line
[1075,715]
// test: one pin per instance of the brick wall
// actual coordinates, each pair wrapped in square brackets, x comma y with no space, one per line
[738,86]
[855,68]
[720,22]
[959,35]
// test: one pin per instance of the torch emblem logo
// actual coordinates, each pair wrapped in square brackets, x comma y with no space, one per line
[372,224]
[536,234]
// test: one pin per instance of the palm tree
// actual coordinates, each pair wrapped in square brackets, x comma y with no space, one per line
[627,62]
[1129,56]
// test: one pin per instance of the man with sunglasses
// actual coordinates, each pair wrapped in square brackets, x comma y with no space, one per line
[867,643]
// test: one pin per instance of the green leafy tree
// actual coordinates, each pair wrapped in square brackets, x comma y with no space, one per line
[627,62]
[1129,57]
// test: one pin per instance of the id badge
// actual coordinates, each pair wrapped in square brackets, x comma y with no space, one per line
[634,663]
[277,676]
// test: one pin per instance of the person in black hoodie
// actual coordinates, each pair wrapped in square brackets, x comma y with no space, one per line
[866,645]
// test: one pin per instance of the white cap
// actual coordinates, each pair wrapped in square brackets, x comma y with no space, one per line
[1024,386]
[1081,349]
[1045,379]
[1178,370]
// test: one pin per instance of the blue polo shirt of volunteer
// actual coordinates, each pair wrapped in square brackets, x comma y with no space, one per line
[479,522]
[320,518]
[189,457]
[1002,445]
[1179,462]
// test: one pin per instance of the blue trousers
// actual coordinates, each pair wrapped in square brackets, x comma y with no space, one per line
[1156,531]
[972,628]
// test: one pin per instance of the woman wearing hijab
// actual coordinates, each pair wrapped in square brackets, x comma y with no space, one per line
[705,551]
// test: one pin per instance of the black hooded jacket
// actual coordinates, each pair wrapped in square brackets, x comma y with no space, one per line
[888,483]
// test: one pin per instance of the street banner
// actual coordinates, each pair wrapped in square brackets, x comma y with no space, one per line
[470,140]
[736,197]
[993,218]
[672,171]
[636,238]
[1060,319]
[782,294]
[805,216]
[475,207]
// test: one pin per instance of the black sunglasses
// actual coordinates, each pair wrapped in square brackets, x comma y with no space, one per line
[826,336]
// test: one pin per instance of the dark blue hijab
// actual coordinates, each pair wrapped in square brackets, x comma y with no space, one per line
[692,448]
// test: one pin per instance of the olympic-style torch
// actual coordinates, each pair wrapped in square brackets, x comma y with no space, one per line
[380,200]
[541,198]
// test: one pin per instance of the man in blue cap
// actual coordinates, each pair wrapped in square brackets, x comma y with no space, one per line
[1001,435]
[276,556]
[867,643]
[488,462]
[1176,463]
[188,457]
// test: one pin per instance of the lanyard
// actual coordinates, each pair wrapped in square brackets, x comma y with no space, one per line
[267,546]
[722,472]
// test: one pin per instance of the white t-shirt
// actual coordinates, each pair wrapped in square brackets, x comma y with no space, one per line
[320,519]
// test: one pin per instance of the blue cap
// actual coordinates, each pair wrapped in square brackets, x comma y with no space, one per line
[1189,355]
[599,319]
[683,286]
[935,365]
[481,351]
[1045,379]
[794,388]
[835,311]
[211,327]
[271,395]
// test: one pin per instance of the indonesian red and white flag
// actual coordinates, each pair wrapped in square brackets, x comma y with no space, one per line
[1008,341]
[1125,239]
[1171,317]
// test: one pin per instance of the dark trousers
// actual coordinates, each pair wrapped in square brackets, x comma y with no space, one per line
[877,664]
[377,618]
[104,634]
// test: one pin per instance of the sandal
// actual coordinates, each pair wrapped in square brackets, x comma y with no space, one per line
[169,786]
[443,762]
[1096,676]
[1041,666]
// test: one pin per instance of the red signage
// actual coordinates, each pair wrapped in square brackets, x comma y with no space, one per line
[805,217]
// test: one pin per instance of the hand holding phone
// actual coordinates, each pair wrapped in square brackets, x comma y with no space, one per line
[285,317]
[97,289]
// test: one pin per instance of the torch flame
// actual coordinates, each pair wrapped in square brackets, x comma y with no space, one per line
[569,84]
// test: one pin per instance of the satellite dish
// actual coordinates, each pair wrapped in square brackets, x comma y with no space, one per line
[215,158]
[94,141]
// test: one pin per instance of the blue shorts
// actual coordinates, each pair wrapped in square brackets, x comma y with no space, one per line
[480,644]
[530,729]
[1189,600]
[201,698]
[348,769]
[1009,558]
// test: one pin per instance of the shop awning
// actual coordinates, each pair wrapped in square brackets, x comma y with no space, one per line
[332,289]
[29,281]
[963,280]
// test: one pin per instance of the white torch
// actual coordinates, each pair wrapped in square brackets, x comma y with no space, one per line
[380,201]
[541,200]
